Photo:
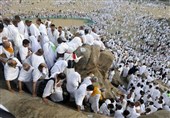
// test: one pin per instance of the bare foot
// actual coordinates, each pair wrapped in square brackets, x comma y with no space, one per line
[45,100]
[34,95]
[21,91]
[11,90]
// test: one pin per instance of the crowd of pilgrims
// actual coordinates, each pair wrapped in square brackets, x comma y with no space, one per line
[43,58]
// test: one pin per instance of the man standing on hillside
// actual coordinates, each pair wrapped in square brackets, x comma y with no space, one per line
[53,34]
[32,29]
[20,26]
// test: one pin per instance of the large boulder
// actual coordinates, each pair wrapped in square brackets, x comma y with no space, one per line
[96,61]
[158,114]
[25,106]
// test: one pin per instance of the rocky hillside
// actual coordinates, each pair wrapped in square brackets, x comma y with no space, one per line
[25,106]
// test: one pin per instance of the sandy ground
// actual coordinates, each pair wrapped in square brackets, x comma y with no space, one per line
[66,22]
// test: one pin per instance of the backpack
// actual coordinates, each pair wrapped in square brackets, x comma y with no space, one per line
[42,86]
[71,64]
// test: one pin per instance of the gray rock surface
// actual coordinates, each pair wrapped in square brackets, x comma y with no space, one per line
[25,106]
[158,114]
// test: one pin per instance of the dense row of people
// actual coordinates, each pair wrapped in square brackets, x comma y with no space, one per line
[43,59]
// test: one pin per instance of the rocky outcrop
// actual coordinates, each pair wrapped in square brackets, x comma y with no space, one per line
[25,106]
[96,61]
[158,114]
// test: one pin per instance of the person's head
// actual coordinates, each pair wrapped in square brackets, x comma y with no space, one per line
[38,21]
[12,63]
[126,113]
[4,39]
[168,92]
[94,79]
[161,97]
[150,86]
[148,110]
[60,29]
[7,21]
[52,26]
[149,96]
[81,28]
[94,30]
[141,101]
[1,27]
[138,85]
[143,80]
[17,18]
[137,104]
[142,92]
[128,102]
[28,22]
[160,102]
[110,106]
[61,76]
[131,104]
[26,66]
[60,40]
[118,107]
[86,31]
[147,83]
[25,43]
[151,103]
[41,66]
[127,64]
[40,52]
[112,100]
[129,95]
[15,23]
[90,88]
[131,90]
[157,88]
[6,44]
[122,97]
